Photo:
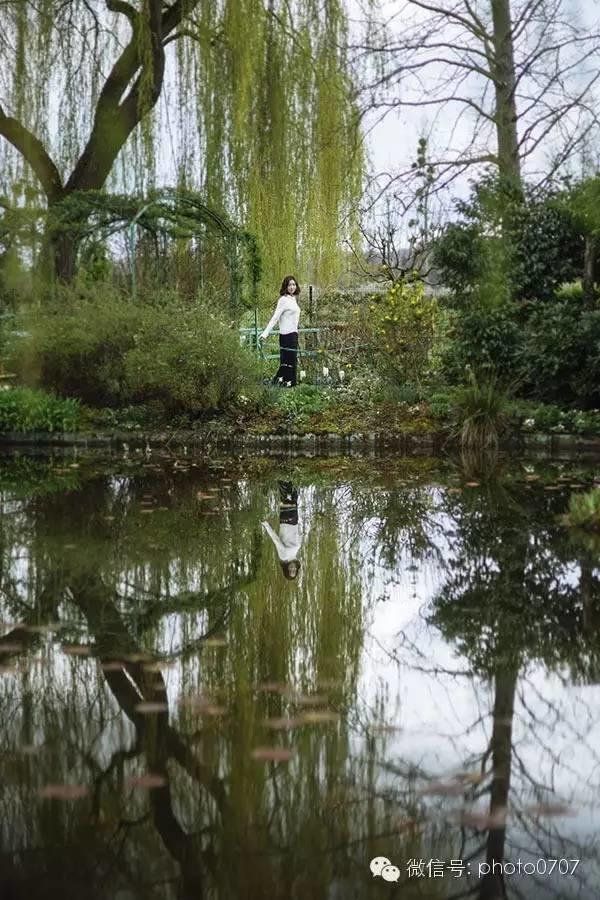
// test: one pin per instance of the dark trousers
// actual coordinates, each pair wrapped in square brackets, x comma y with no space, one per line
[288,359]
[288,503]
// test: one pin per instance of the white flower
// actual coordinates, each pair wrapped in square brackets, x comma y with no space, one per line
[342,374]
[302,374]
[325,372]
[529,423]
[288,383]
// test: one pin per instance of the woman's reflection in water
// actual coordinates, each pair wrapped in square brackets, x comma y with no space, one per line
[288,541]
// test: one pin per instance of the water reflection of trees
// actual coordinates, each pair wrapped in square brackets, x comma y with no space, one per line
[126,590]
[140,569]
[514,599]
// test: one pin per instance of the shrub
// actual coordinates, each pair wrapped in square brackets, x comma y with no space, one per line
[481,408]
[584,510]
[549,417]
[402,329]
[303,400]
[559,357]
[440,406]
[77,345]
[524,247]
[110,352]
[483,338]
[188,361]
[24,410]
[362,388]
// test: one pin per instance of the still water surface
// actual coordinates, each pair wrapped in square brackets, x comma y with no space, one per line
[249,679]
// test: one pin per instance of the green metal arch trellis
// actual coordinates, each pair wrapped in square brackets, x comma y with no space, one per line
[176,213]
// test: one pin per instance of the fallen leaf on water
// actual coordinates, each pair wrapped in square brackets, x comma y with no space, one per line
[64,791]
[12,647]
[137,657]
[550,809]
[149,781]
[204,706]
[17,669]
[483,820]
[159,666]
[76,649]
[148,707]
[44,629]
[441,789]
[282,724]
[312,700]
[271,754]
[273,687]
[470,777]
[320,716]
[385,729]
[330,684]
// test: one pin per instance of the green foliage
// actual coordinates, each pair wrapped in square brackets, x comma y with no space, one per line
[483,337]
[109,351]
[363,387]
[584,510]
[301,401]
[264,96]
[199,246]
[25,410]
[559,357]
[441,405]
[77,346]
[402,326]
[515,247]
[547,417]
[482,410]
[187,361]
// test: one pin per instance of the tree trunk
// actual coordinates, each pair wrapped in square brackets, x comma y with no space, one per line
[130,92]
[590,262]
[503,71]
[492,886]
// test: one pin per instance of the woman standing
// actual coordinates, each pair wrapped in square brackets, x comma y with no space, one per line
[287,313]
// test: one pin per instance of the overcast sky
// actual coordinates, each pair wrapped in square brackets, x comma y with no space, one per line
[392,140]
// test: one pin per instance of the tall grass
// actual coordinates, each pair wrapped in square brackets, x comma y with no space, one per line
[481,408]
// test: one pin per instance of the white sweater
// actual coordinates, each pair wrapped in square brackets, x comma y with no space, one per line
[287,542]
[287,313]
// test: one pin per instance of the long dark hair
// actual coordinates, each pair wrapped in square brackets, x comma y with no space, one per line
[284,286]
[287,571]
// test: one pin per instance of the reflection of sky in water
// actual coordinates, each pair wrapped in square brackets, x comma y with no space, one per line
[444,719]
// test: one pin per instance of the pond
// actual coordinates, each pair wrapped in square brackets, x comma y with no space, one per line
[327,678]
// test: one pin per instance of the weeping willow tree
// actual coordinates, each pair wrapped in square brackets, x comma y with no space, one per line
[249,101]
